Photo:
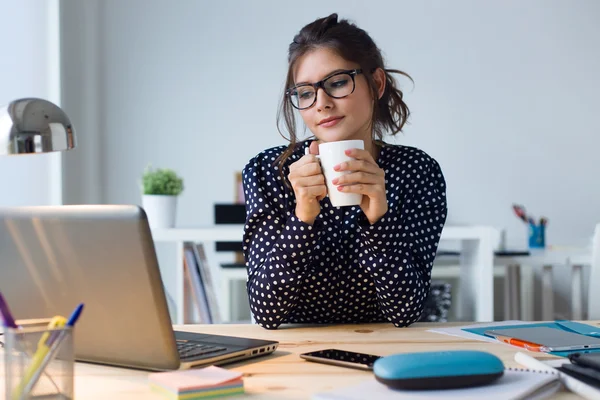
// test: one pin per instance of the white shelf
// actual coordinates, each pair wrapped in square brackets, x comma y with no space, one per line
[477,249]
[467,232]
[233,233]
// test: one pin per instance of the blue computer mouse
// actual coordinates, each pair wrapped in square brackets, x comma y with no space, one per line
[438,370]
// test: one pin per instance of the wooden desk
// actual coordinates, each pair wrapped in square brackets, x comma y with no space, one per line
[284,375]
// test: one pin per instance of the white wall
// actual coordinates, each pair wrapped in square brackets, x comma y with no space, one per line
[81,97]
[506,97]
[27,69]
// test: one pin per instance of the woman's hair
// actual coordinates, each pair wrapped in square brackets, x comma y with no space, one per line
[355,45]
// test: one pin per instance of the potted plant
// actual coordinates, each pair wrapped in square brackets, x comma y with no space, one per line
[161,187]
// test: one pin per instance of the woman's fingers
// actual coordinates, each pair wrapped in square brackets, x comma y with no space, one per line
[308,182]
[363,188]
[359,165]
[304,160]
[360,154]
[358,177]
[310,169]
[317,192]
[313,180]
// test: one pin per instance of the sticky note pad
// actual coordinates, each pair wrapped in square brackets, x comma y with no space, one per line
[197,383]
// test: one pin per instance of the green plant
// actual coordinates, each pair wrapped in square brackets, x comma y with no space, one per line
[161,181]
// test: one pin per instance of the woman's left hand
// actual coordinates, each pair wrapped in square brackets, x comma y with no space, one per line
[365,177]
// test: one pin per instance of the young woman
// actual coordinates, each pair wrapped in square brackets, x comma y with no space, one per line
[310,262]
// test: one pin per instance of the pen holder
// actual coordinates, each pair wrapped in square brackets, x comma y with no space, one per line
[537,236]
[39,362]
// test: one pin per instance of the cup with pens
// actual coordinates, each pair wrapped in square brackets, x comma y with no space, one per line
[537,231]
[39,356]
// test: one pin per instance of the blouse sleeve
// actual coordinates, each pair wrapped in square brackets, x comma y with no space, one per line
[277,246]
[399,249]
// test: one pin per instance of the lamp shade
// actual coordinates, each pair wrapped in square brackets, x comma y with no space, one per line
[33,125]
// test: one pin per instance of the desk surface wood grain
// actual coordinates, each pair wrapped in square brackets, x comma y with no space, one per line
[283,374]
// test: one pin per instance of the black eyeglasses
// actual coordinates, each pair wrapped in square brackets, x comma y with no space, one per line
[338,85]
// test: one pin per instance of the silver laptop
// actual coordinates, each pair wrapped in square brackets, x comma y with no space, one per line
[55,257]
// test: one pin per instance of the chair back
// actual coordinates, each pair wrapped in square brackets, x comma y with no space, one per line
[230,214]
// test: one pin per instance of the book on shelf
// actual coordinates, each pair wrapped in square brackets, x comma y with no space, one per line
[209,283]
[202,282]
[198,287]
[190,300]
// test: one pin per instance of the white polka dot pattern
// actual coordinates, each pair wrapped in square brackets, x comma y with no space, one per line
[342,269]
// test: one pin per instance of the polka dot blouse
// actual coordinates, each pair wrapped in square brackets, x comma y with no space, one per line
[342,269]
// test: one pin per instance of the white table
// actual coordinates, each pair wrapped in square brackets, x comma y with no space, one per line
[520,272]
[476,298]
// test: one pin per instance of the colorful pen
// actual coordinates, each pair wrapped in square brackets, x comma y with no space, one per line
[9,321]
[43,348]
[520,212]
[48,353]
[75,315]
[56,322]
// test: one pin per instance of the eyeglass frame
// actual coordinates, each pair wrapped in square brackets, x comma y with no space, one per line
[320,84]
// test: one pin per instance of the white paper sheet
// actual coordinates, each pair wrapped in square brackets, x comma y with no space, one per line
[458,330]
[512,385]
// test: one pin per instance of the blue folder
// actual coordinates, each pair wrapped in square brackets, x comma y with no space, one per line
[481,331]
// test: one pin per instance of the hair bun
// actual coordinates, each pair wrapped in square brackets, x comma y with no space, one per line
[315,30]
[330,21]
[324,24]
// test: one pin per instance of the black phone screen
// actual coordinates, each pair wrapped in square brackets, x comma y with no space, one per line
[591,360]
[342,357]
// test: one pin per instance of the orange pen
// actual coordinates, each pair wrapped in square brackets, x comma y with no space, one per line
[521,343]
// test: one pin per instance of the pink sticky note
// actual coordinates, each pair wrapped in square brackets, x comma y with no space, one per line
[195,379]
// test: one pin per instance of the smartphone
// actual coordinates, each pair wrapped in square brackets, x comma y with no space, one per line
[342,358]
[590,360]
[578,371]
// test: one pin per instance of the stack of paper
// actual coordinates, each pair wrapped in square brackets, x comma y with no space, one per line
[197,383]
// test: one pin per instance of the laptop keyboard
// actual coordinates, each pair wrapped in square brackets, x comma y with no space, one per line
[188,349]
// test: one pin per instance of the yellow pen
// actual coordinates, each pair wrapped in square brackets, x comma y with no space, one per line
[42,349]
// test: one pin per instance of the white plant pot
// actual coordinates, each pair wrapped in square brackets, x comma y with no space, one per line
[160,209]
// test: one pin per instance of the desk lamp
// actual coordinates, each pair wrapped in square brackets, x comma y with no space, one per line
[32,125]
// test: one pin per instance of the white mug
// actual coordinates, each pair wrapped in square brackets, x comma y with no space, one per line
[332,154]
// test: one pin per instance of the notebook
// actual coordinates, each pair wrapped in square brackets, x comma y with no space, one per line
[515,384]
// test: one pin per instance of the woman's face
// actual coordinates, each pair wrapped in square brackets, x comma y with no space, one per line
[331,119]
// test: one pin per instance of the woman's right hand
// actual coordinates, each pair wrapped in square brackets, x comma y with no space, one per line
[308,183]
